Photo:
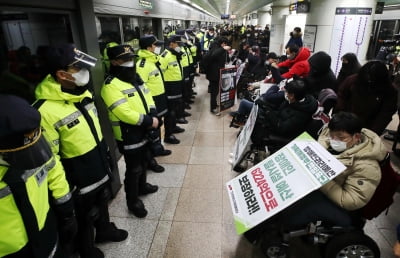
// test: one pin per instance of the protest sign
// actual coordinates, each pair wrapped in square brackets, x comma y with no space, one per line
[227,88]
[242,141]
[286,176]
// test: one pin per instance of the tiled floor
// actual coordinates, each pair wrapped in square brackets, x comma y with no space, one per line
[190,216]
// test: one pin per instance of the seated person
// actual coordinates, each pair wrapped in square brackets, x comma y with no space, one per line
[296,64]
[360,150]
[290,118]
[273,97]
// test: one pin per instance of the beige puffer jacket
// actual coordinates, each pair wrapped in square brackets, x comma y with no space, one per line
[353,188]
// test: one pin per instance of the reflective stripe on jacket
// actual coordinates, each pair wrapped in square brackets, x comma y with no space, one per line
[149,73]
[129,117]
[170,66]
[69,133]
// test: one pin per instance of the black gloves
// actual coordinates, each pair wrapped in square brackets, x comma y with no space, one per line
[67,225]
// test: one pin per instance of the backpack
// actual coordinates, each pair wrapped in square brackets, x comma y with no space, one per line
[383,196]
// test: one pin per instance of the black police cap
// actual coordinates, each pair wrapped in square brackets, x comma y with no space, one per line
[148,41]
[180,32]
[175,38]
[120,52]
[62,56]
[16,126]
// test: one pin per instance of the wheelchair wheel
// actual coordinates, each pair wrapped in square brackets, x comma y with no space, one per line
[352,244]
[274,249]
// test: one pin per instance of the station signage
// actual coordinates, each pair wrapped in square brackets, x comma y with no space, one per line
[146,4]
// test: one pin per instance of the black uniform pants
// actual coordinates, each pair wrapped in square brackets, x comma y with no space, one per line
[174,106]
[136,162]
[91,212]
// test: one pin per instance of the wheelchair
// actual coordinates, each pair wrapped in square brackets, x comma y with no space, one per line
[329,241]
[332,241]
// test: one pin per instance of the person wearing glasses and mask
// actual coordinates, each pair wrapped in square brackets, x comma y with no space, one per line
[71,126]
[133,115]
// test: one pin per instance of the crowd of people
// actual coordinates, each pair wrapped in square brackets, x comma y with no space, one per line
[58,143]
[361,101]
[61,141]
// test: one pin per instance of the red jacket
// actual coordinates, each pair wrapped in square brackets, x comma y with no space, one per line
[298,66]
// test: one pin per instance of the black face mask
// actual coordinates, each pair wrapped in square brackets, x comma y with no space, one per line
[126,74]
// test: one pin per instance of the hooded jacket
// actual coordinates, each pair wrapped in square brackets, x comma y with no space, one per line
[68,121]
[148,68]
[354,187]
[351,67]
[295,40]
[374,106]
[298,66]
[320,75]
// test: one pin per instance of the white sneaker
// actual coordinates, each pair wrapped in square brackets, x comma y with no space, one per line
[216,112]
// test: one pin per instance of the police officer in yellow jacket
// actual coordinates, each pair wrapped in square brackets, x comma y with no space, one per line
[132,114]
[31,181]
[173,82]
[186,62]
[73,130]
[148,68]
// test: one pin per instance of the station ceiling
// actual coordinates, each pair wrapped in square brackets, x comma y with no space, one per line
[243,7]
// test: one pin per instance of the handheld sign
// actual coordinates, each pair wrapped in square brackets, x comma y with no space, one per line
[244,137]
[227,87]
[286,176]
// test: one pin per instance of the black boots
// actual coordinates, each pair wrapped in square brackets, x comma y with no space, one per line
[155,167]
[148,189]
[137,208]
[135,185]
[171,139]
[111,234]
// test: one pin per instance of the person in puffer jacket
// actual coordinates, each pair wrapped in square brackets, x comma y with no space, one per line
[72,127]
[338,201]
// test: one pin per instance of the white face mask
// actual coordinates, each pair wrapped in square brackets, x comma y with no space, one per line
[128,64]
[256,34]
[338,146]
[177,49]
[82,77]
[157,50]
[287,98]
[291,57]
[211,34]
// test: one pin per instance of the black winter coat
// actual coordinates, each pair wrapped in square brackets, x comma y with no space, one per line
[215,60]
[291,119]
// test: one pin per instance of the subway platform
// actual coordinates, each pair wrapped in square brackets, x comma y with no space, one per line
[190,215]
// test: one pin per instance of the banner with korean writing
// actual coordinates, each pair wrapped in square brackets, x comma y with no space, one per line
[242,141]
[227,88]
[286,176]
